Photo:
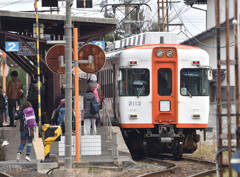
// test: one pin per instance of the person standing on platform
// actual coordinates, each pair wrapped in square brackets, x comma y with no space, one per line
[89,119]
[12,94]
[5,114]
[96,88]
[60,96]
[33,96]
[2,107]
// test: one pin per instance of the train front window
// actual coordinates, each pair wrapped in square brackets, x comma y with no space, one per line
[134,82]
[194,82]
[164,81]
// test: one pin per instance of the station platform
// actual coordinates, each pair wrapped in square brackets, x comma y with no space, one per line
[10,139]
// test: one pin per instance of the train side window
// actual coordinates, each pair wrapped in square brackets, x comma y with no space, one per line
[164,81]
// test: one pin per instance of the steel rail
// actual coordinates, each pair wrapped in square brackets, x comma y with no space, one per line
[170,167]
[2,174]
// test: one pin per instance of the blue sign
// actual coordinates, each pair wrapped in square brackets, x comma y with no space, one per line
[235,161]
[99,43]
[12,46]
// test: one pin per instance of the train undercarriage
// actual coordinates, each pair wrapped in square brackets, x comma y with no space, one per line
[160,140]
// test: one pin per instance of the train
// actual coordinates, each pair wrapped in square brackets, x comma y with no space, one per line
[159,91]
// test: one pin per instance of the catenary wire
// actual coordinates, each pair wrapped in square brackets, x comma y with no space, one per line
[195,37]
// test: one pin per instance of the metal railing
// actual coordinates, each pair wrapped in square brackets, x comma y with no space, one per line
[105,143]
[111,136]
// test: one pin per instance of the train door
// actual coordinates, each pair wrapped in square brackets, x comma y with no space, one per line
[164,93]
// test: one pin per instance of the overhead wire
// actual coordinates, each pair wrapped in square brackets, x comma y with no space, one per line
[195,37]
[15,2]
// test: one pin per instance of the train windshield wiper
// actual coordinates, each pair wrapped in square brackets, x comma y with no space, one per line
[143,83]
[140,91]
[189,94]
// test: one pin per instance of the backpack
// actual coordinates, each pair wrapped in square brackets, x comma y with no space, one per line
[94,107]
[96,93]
[2,103]
[61,116]
[29,118]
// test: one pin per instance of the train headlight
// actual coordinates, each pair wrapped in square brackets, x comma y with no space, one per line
[164,106]
[160,53]
[169,53]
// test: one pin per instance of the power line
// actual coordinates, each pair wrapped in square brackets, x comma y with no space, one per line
[15,2]
[194,36]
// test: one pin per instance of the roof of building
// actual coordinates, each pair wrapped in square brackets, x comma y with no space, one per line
[22,23]
[212,32]
[191,2]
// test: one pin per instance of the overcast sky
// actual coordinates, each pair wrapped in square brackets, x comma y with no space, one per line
[193,19]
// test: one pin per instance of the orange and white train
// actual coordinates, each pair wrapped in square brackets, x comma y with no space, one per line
[159,92]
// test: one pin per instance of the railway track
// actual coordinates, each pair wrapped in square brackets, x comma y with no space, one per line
[186,167]
[2,174]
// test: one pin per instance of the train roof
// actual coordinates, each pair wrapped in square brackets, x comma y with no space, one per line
[152,46]
[147,40]
[117,53]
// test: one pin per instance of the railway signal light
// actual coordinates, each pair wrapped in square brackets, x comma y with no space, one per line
[84,3]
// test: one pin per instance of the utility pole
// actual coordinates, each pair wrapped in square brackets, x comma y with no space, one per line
[159,29]
[68,89]
[167,17]
[236,68]
[127,20]
[163,17]
[219,93]
[105,12]
[228,88]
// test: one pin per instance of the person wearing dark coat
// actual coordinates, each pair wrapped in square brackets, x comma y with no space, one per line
[60,96]
[55,116]
[33,96]
[92,84]
[89,119]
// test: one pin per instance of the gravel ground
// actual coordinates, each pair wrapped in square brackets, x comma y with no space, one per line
[186,168]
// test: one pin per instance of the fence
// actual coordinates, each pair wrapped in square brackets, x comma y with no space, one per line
[103,144]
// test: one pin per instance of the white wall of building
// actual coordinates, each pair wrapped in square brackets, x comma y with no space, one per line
[211,12]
